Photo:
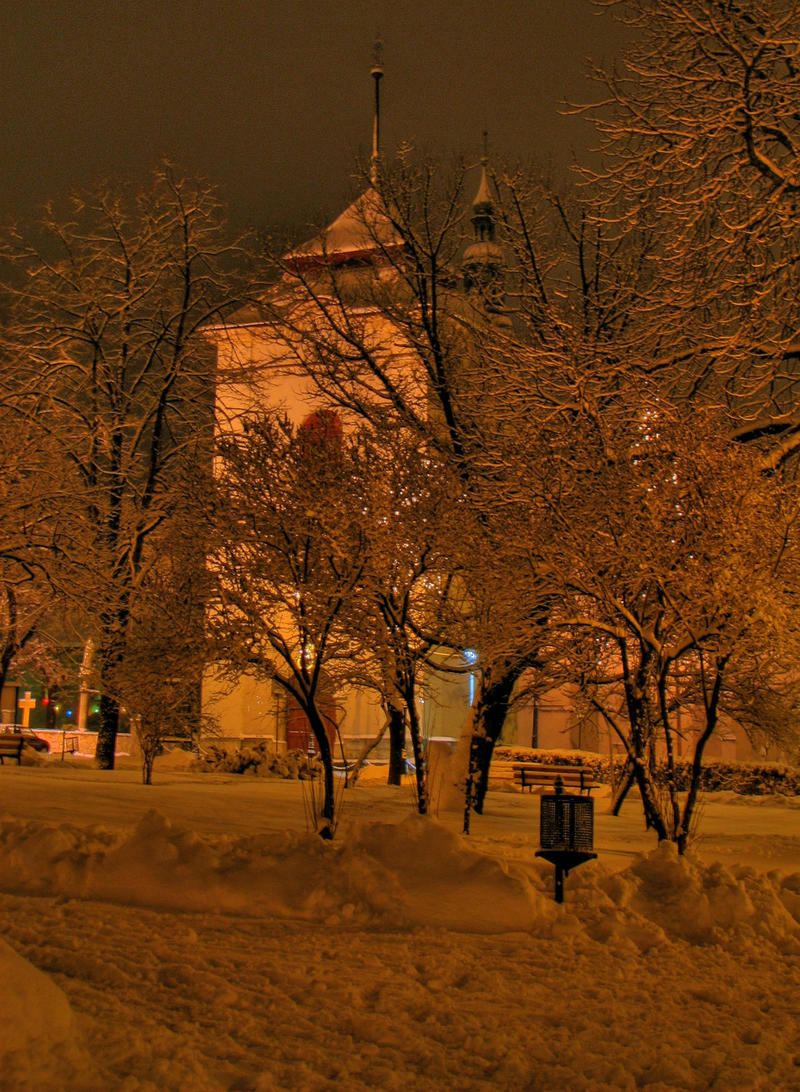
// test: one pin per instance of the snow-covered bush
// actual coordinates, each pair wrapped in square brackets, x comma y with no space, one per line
[261,760]
[746,779]
[756,779]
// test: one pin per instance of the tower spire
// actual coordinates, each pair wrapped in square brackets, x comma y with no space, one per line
[482,262]
[377,73]
[483,205]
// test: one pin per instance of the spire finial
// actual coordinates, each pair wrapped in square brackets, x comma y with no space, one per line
[377,56]
[377,73]
[483,206]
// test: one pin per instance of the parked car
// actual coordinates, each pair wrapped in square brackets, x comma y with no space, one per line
[29,737]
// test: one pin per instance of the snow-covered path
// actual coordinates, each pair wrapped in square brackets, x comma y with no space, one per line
[399,958]
[197,1002]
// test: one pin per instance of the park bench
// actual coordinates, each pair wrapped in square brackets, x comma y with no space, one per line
[11,747]
[534,775]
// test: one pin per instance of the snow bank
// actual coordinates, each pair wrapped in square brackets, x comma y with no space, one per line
[39,1028]
[416,873]
[175,758]
[402,956]
[412,873]
[32,1008]
[682,898]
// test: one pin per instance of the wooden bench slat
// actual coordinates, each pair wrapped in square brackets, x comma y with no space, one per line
[532,774]
[11,747]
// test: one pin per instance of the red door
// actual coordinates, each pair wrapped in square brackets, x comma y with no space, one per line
[299,736]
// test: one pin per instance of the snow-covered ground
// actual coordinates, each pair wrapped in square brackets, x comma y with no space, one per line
[191,936]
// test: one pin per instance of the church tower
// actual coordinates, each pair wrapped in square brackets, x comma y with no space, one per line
[483,260]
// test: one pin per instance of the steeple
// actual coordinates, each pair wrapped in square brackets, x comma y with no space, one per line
[377,74]
[483,206]
[363,234]
[482,264]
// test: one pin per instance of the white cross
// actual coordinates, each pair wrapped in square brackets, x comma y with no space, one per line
[26,704]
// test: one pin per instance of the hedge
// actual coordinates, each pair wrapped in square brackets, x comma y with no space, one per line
[746,779]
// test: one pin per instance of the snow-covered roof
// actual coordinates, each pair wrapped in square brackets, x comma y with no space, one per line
[362,232]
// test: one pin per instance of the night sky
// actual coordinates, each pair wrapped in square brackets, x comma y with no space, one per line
[273,101]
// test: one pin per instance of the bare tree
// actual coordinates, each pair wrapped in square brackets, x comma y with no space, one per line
[407,583]
[594,300]
[570,289]
[506,607]
[106,332]
[678,564]
[288,557]
[700,137]
[158,681]
[36,519]
[400,336]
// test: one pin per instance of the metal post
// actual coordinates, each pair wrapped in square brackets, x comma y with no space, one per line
[559,883]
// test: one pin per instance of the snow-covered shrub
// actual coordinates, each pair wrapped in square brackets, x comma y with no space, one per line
[588,759]
[260,760]
[746,779]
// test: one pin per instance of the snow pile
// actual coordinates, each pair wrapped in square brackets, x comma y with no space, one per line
[683,899]
[175,758]
[163,957]
[397,875]
[423,874]
[39,1028]
[416,873]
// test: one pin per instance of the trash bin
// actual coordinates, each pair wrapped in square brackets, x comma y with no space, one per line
[566,832]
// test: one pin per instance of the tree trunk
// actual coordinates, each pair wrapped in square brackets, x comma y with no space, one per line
[653,814]
[642,752]
[5,662]
[148,758]
[669,744]
[712,710]
[420,762]
[621,789]
[642,704]
[105,750]
[491,716]
[326,823]
[114,625]
[397,745]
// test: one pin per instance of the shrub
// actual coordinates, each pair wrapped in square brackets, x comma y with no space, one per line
[261,760]
[746,779]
